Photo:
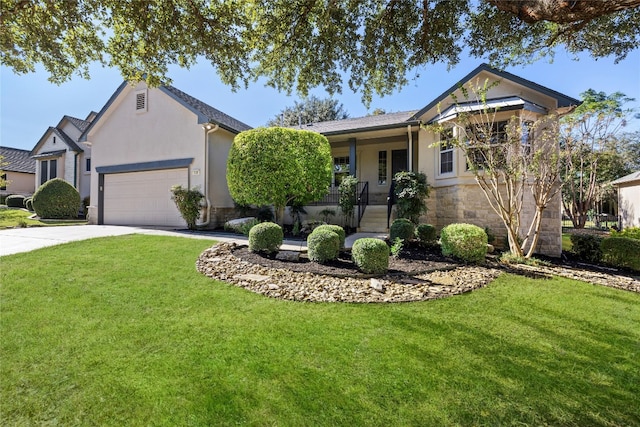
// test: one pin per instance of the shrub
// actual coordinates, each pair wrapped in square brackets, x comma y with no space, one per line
[396,247]
[630,233]
[265,237]
[188,203]
[411,190]
[587,247]
[621,252]
[336,229]
[15,201]
[426,233]
[401,228]
[56,199]
[28,204]
[347,197]
[370,255]
[265,214]
[323,245]
[464,241]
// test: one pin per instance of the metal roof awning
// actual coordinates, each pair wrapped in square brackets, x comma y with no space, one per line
[49,154]
[502,104]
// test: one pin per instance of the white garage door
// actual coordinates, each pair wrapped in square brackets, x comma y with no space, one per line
[143,198]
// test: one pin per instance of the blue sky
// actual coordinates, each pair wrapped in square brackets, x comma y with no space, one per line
[29,104]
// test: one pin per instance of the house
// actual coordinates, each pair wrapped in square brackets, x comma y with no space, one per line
[58,154]
[628,199]
[144,140]
[18,170]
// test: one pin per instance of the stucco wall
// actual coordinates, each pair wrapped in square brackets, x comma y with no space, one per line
[64,162]
[629,204]
[19,183]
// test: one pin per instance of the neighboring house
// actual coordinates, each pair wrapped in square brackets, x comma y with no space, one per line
[628,199]
[18,169]
[146,140]
[58,155]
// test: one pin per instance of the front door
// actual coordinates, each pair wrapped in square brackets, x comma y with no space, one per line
[398,161]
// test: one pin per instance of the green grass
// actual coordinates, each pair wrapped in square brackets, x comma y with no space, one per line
[566,242]
[12,217]
[124,331]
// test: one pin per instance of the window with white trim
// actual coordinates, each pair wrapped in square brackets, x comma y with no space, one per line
[446,152]
[141,101]
[382,167]
[340,169]
[87,165]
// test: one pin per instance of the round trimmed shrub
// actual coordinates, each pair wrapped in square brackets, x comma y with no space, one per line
[401,228]
[323,245]
[28,204]
[265,237]
[426,233]
[586,247]
[370,255]
[336,229]
[467,242]
[15,201]
[56,199]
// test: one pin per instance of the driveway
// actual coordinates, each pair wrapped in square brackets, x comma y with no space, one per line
[16,240]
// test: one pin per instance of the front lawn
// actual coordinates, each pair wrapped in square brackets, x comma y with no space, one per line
[124,331]
[12,217]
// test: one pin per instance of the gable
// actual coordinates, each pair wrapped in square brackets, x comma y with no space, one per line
[55,139]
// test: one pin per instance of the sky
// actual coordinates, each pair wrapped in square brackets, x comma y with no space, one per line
[29,103]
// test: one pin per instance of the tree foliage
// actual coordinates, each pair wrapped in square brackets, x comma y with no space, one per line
[301,44]
[592,156]
[188,203]
[311,110]
[274,166]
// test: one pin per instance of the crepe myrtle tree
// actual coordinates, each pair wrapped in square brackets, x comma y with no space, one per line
[275,166]
[507,159]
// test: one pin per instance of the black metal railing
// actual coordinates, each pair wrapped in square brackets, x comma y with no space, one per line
[333,196]
[363,200]
[391,200]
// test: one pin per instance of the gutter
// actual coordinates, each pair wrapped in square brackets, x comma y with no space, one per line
[208,128]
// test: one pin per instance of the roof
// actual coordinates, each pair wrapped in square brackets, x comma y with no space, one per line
[56,153]
[361,124]
[82,125]
[62,135]
[562,99]
[502,104]
[17,160]
[205,112]
[635,176]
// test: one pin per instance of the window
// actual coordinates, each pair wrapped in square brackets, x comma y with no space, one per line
[340,169]
[446,152]
[141,101]
[48,170]
[3,178]
[382,168]
[87,165]
[481,139]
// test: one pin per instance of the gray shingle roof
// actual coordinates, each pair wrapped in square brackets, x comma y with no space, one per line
[635,176]
[17,160]
[357,124]
[82,125]
[205,112]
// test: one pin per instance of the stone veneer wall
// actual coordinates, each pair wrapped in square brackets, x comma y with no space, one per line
[467,203]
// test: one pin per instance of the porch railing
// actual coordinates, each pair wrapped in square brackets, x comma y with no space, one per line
[363,200]
[333,196]
[391,200]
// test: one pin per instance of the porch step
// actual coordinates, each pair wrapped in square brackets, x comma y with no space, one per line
[374,220]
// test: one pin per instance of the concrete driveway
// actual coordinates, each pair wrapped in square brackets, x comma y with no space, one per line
[16,240]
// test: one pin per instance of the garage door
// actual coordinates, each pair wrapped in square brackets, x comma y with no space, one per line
[143,198]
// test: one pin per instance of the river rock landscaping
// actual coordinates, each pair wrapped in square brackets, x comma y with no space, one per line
[410,278]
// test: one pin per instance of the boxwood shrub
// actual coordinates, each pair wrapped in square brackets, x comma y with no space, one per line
[587,247]
[401,228]
[15,201]
[56,199]
[28,204]
[426,233]
[467,242]
[265,237]
[621,252]
[370,255]
[629,232]
[336,229]
[323,245]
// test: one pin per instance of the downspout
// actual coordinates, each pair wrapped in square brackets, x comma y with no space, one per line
[410,150]
[208,128]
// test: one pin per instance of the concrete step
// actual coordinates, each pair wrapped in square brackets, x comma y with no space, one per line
[374,220]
